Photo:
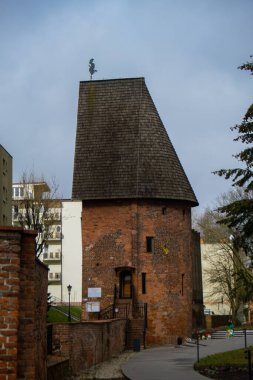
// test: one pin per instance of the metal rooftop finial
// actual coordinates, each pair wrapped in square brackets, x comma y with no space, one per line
[92,68]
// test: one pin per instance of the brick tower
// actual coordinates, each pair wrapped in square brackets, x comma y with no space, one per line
[136,216]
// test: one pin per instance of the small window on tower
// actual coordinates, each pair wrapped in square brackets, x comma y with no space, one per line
[143,283]
[150,243]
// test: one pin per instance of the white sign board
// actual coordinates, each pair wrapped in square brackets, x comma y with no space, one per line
[93,307]
[94,292]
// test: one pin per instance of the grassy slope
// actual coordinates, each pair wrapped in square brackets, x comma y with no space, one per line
[55,316]
[236,357]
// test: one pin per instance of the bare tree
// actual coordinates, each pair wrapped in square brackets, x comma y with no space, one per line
[227,277]
[229,274]
[34,208]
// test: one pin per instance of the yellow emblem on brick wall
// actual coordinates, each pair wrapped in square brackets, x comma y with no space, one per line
[165,249]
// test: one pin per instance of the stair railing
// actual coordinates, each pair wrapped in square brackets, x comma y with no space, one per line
[112,311]
[145,324]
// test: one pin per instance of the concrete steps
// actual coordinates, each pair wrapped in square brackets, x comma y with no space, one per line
[223,334]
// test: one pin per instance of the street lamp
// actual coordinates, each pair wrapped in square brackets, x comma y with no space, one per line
[69,290]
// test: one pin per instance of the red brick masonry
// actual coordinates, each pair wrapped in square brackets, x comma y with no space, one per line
[23,307]
[114,236]
[89,343]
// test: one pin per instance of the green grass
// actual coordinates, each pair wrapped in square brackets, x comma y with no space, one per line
[54,316]
[233,358]
[76,311]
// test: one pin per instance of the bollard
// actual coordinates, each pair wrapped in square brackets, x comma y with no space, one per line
[136,345]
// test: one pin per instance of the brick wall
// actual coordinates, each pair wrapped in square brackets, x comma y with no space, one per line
[40,325]
[10,249]
[114,235]
[89,343]
[214,321]
[19,294]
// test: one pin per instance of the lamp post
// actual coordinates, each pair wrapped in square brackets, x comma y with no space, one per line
[69,290]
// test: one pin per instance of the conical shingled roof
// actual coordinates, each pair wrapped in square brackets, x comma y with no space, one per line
[122,148]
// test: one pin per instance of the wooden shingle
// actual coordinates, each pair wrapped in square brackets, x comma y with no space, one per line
[122,148]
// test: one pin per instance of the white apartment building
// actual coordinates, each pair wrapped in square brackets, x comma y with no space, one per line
[62,252]
[71,250]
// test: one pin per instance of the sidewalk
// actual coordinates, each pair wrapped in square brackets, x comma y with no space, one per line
[176,362]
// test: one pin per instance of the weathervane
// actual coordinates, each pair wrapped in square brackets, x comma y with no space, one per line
[92,68]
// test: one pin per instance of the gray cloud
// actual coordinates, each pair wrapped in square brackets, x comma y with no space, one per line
[187,51]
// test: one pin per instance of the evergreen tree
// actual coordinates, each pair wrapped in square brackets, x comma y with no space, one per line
[239,214]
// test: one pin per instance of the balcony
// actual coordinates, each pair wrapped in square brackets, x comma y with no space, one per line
[52,256]
[54,236]
[54,216]
[54,277]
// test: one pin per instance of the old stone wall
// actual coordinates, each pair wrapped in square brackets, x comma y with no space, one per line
[19,295]
[88,343]
[114,237]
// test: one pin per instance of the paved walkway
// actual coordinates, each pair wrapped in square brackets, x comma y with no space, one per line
[176,362]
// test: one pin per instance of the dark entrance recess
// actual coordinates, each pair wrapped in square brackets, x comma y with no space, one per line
[125,284]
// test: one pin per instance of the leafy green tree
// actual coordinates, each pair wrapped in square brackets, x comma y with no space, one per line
[238,214]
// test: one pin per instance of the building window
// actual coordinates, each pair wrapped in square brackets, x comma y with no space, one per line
[164,210]
[182,284]
[4,166]
[143,283]
[15,213]
[18,191]
[150,243]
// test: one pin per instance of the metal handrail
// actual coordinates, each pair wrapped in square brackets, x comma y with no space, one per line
[138,310]
[118,311]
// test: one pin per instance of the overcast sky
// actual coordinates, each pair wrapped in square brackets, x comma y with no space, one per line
[187,50]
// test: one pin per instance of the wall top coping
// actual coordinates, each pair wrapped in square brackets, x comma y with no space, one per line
[98,322]
[18,229]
